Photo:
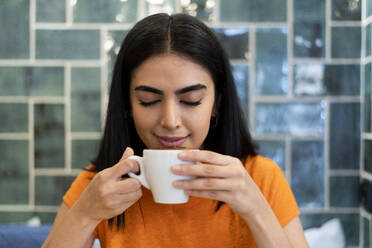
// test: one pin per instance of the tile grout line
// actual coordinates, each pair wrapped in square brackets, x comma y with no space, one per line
[31,154]
[328,29]
[32,29]
[104,75]
[326,150]
[288,159]
[68,13]
[290,48]
[68,117]
[216,12]
[252,78]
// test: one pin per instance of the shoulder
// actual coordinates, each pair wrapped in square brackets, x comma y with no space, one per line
[78,186]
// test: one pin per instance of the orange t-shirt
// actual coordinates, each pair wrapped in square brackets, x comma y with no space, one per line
[193,224]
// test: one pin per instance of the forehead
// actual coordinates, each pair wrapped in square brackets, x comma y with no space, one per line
[170,72]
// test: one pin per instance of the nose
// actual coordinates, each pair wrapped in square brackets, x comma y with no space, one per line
[170,117]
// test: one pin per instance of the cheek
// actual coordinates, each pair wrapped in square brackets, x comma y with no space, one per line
[143,121]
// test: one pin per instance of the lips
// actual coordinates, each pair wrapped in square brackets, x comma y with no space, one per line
[168,141]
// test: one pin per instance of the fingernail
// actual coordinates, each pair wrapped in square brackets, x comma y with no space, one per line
[177,183]
[176,168]
[182,155]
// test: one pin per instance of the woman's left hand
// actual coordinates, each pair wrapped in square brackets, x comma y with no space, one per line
[218,177]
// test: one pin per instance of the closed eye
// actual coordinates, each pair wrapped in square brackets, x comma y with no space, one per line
[146,104]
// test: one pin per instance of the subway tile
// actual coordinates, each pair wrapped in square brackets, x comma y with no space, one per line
[367,232]
[67,44]
[367,97]
[14,117]
[50,11]
[241,78]
[15,29]
[9,217]
[346,10]
[202,9]
[302,119]
[368,155]
[273,149]
[271,62]
[105,11]
[309,28]
[344,191]
[31,81]
[164,6]
[14,172]
[49,190]
[308,159]
[349,222]
[112,47]
[83,152]
[368,8]
[332,80]
[49,130]
[346,42]
[253,11]
[344,140]
[85,99]
[368,40]
[234,41]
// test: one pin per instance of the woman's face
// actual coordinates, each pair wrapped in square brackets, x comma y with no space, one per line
[172,100]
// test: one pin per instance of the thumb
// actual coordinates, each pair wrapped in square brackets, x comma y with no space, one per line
[127,153]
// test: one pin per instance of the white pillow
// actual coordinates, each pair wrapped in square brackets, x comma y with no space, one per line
[329,235]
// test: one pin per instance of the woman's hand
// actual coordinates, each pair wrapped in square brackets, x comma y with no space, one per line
[108,194]
[218,177]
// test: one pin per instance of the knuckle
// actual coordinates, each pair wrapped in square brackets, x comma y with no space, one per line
[212,193]
[208,170]
[208,183]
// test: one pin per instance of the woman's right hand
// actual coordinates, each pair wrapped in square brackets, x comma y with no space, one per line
[108,194]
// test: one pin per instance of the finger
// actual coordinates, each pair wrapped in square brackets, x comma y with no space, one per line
[202,170]
[131,197]
[127,186]
[217,195]
[207,157]
[204,184]
[127,153]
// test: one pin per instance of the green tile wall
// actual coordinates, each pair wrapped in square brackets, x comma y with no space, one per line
[297,68]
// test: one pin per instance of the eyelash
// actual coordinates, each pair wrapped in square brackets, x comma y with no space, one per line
[192,104]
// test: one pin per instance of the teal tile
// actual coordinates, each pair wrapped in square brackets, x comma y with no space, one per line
[344,140]
[368,40]
[241,78]
[85,99]
[321,79]
[308,159]
[201,9]
[50,11]
[271,62]
[344,191]
[346,10]
[31,81]
[368,8]
[346,42]
[15,29]
[367,232]
[49,190]
[105,11]
[273,149]
[9,217]
[300,119]
[114,41]
[253,11]
[309,28]
[83,152]
[234,41]
[67,44]
[368,155]
[49,135]
[14,172]
[14,117]
[350,224]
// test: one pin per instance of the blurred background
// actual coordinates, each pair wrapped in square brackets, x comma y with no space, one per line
[302,69]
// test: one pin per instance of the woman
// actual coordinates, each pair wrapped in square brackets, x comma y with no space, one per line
[172,87]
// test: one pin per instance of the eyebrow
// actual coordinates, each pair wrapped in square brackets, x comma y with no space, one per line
[178,92]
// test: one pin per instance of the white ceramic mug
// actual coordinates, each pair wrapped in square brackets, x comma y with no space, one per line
[156,175]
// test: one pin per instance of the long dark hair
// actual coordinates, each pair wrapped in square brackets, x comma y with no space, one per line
[186,36]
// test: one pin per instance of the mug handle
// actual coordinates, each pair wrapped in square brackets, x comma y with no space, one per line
[141,177]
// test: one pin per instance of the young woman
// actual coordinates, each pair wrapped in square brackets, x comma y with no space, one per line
[172,87]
